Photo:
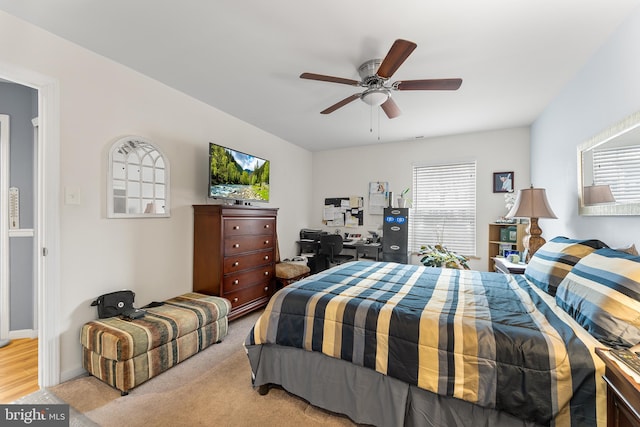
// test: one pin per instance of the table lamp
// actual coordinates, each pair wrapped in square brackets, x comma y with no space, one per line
[532,203]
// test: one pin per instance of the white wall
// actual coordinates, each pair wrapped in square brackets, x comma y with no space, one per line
[604,92]
[347,172]
[101,101]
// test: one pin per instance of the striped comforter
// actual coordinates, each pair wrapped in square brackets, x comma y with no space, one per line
[487,338]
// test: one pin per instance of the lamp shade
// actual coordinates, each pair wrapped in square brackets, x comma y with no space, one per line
[375,97]
[531,203]
[594,194]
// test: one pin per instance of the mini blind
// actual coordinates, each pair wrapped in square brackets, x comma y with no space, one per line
[444,207]
[620,168]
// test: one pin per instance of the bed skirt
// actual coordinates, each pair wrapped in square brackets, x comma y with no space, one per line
[364,395]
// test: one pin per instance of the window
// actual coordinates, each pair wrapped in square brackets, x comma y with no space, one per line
[619,167]
[444,207]
[138,180]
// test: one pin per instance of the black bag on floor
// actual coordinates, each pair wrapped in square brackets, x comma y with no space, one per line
[116,304]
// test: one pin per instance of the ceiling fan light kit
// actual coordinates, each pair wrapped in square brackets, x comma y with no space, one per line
[374,75]
[375,97]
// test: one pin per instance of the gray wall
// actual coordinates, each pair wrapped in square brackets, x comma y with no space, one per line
[20,103]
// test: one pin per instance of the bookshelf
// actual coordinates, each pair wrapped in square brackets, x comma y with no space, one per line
[501,237]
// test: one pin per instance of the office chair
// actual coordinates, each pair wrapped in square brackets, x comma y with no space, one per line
[331,246]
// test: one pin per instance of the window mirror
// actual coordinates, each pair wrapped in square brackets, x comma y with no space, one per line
[138,182]
[609,170]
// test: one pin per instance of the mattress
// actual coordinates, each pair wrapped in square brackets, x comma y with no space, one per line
[489,339]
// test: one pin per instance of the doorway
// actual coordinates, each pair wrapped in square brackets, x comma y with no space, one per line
[46,219]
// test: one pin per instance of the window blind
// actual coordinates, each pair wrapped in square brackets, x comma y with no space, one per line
[620,168]
[444,207]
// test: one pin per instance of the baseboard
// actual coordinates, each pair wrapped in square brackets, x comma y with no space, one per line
[23,333]
[72,373]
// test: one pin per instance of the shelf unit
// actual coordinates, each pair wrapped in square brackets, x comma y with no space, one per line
[495,241]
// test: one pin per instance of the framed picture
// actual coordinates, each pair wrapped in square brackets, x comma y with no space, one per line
[503,182]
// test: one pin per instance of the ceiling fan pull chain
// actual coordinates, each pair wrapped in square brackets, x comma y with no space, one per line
[371,118]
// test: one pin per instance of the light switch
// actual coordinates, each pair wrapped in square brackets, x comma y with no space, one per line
[71,196]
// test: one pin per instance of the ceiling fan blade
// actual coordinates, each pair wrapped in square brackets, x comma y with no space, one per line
[312,76]
[340,104]
[390,108]
[431,84]
[398,53]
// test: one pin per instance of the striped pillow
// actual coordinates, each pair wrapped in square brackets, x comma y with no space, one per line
[602,292]
[553,261]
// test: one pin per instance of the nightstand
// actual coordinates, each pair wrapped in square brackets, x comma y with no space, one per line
[623,394]
[502,265]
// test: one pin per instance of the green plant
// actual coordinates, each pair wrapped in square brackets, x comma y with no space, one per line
[439,256]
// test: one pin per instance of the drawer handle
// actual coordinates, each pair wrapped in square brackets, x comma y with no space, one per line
[237,245]
[266,257]
[235,299]
[266,273]
[237,263]
[235,282]
[236,227]
[266,289]
[266,242]
[267,226]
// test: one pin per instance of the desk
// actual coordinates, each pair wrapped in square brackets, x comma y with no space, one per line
[368,250]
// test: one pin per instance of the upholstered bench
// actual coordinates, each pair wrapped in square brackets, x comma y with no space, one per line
[126,353]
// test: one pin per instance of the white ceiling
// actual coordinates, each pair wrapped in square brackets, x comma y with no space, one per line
[244,57]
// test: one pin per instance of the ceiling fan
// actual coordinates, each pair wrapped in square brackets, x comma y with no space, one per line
[375,74]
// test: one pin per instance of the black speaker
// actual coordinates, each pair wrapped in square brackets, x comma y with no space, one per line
[395,235]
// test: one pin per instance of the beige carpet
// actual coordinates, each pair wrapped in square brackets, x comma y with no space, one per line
[212,388]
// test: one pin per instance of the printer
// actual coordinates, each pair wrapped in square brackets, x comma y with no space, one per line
[308,234]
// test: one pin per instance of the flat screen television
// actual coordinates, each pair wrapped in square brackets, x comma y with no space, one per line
[234,175]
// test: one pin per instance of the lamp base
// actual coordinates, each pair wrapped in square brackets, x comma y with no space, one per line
[533,240]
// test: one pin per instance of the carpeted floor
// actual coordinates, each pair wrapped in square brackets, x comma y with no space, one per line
[211,388]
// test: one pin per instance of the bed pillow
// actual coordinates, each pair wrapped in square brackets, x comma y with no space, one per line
[602,292]
[553,261]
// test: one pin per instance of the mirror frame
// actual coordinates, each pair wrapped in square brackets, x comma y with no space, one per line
[628,124]
[110,189]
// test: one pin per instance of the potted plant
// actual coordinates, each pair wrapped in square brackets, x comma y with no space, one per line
[439,256]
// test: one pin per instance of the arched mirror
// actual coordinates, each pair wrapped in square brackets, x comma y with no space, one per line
[138,182]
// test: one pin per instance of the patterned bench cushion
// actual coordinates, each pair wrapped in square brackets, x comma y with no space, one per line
[127,374]
[117,339]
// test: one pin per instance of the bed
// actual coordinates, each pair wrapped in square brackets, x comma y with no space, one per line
[393,344]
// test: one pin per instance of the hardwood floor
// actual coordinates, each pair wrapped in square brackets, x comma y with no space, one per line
[18,369]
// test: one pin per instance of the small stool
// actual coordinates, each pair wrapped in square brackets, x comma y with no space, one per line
[290,272]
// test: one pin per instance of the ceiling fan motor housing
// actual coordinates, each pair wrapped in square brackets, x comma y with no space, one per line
[368,74]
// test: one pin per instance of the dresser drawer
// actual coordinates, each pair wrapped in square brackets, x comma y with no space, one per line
[245,226]
[236,281]
[247,295]
[236,263]
[241,244]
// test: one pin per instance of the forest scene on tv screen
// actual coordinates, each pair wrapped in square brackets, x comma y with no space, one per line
[236,175]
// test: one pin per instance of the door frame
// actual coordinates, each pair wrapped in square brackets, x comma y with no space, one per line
[5,132]
[47,222]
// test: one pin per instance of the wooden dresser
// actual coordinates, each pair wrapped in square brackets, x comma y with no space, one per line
[234,254]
